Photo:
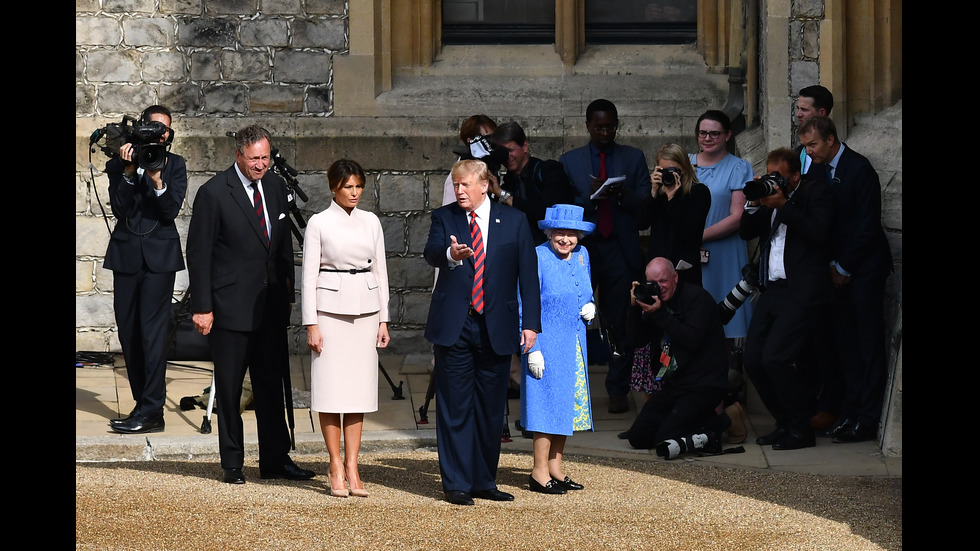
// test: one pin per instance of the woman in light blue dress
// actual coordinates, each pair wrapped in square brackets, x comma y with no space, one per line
[725,175]
[555,399]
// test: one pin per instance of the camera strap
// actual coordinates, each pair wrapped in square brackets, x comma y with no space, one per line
[667,363]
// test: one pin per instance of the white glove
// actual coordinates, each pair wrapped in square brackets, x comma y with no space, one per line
[588,311]
[535,363]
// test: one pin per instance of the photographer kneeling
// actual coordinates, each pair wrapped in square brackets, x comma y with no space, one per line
[683,326]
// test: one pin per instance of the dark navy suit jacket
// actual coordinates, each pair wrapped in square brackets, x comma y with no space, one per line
[511,267]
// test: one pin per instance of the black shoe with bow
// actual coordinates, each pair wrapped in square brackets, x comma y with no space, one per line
[552,487]
[568,483]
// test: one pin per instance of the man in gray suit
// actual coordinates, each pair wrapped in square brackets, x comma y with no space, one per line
[240,260]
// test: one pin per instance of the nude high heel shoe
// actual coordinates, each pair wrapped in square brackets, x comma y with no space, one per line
[342,492]
[358,492]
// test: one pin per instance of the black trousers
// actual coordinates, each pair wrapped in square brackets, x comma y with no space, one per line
[141,302]
[674,413]
[264,354]
[778,332]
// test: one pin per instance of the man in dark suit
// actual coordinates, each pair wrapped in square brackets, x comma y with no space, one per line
[475,324]
[819,360]
[240,259]
[861,262]
[614,248]
[792,224]
[144,256]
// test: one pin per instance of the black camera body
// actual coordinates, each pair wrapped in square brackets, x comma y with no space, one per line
[671,176]
[645,292]
[148,152]
[766,186]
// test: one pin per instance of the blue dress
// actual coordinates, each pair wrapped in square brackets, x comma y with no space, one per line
[559,402]
[727,256]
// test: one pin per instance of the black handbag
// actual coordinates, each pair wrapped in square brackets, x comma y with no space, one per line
[185,342]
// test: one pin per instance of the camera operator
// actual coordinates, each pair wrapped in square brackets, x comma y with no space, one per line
[144,255]
[531,184]
[793,226]
[683,326]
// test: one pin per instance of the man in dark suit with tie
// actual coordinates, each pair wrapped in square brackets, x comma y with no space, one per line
[861,262]
[144,256]
[485,307]
[240,260]
[792,224]
[614,248]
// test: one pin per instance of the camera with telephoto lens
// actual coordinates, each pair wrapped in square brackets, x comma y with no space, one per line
[766,186]
[671,176]
[481,149]
[148,152]
[740,293]
[669,449]
[645,291]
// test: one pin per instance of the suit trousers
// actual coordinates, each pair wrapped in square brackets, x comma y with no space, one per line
[611,282]
[675,413]
[141,302]
[859,328]
[778,331]
[471,397]
[263,353]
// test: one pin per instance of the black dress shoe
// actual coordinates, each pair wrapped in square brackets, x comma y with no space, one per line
[139,424]
[618,404]
[552,487]
[568,484]
[492,494]
[458,497]
[794,441]
[119,420]
[856,432]
[234,476]
[772,437]
[842,425]
[287,470]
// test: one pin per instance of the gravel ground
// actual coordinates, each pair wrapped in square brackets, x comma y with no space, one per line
[626,505]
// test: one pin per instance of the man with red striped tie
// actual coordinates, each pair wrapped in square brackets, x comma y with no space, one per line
[485,255]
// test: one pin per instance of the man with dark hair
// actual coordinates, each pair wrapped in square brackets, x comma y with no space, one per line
[793,227]
[144,256]
[861,262]
[813,100]
[530,184]
[614,248]
[242,277]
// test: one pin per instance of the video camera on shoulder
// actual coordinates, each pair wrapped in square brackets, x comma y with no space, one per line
[645,291]
[148,152]
[766,186]
[481,149]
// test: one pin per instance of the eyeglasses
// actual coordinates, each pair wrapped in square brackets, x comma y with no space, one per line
[714,134]
[606,129]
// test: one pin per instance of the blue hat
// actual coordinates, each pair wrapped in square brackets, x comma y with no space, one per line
[568,217]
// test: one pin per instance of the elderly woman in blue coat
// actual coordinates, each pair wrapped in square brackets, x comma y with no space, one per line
[555,398]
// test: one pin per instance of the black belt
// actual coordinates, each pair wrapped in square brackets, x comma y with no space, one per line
[474,313]
[351,271]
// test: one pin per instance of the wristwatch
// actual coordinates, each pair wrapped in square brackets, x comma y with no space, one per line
[504,195]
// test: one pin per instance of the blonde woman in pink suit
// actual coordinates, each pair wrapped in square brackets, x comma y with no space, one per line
[345,311]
